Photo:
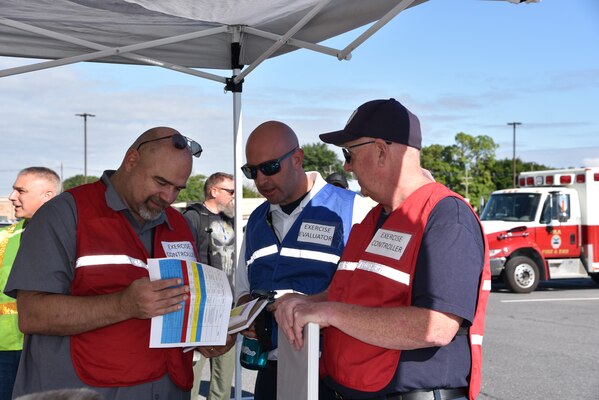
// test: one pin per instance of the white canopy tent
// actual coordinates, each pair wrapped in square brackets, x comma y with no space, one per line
[187,36]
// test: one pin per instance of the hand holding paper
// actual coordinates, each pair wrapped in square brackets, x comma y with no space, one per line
[244,315]
[146,299]
[203,317]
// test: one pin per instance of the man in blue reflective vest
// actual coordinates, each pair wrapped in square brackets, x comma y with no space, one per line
[293,240]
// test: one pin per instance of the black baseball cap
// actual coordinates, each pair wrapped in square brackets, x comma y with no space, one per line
[385,119]
[337,179]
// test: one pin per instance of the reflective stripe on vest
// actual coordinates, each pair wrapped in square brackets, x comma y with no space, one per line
[310,255]
[266,251]
[86,261]
[487,285]
[8,308]
[377,268]
[386,271]
[476,340]
[347,266]
[295,253]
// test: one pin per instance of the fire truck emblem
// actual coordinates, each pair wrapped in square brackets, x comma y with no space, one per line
[556,241]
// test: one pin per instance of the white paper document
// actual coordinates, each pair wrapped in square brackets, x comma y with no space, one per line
[204,317]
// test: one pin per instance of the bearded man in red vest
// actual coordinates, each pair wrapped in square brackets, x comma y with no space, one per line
[403,316]
[81,282]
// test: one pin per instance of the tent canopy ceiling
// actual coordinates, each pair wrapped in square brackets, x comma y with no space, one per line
[32,28]
[184,35]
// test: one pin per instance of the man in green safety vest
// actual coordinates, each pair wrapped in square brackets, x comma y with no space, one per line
[33,187]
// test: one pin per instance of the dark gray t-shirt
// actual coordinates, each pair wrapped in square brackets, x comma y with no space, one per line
[216,234]
[45,263]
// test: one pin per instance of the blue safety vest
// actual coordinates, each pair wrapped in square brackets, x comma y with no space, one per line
[306,259]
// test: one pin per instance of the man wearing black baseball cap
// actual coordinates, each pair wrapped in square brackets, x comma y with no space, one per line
[337,179]
[404,315]
[384,119]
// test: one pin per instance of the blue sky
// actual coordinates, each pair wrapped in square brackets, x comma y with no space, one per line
[461,66]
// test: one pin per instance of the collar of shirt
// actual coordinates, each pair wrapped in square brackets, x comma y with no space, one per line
[318,183]
[281,221]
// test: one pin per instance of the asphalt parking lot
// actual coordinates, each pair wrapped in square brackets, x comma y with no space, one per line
[542,345]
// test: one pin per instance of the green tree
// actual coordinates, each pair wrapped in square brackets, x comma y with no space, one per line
[464,167]
[249,193]
[469,167]
[476,156]
[503,171]
[319,157]
[438,160]
[194,191]
[77,180]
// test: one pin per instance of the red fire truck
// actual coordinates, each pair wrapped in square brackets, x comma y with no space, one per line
[548,228]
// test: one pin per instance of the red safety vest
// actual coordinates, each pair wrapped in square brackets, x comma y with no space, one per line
[376,270]
[119,354]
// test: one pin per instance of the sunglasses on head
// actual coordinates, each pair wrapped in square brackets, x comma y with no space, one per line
[347,154]
[268,168]
[180,142]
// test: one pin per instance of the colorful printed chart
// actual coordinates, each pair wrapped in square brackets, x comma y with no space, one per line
[204,317]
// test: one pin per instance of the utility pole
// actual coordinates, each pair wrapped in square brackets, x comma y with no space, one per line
[466,182]
[85,115]
[514,124]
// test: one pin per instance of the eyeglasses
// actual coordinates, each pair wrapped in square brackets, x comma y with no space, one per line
[230,191]
[347,154]
[268,168]
[180,142]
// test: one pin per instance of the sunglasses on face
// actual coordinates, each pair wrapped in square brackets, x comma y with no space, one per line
[347,153]
[268,168]
[180,142]
[230,191]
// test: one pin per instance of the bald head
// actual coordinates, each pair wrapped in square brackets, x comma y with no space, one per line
[272,133]
[152,173]
[274,142]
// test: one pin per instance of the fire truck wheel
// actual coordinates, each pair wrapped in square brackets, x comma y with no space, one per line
[521,274]
[595,277]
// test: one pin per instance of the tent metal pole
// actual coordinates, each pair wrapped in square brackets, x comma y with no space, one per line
[238,181]
[297,43]
[105,51]
[283,40]
[376,26]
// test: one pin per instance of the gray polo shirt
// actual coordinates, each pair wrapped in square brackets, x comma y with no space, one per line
[45,263]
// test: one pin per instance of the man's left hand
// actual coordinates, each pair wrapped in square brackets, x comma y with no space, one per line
[215,351]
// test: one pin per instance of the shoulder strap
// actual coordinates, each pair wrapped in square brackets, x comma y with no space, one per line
[203,225]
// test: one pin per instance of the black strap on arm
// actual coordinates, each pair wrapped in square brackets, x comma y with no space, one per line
[463,331]
[204,225]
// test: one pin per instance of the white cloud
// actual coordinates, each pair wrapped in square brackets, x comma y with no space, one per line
[590,162]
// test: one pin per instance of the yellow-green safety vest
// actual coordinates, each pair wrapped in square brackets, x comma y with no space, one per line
[11,337]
